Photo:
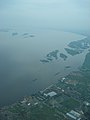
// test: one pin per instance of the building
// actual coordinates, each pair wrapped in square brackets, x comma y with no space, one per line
[50,94]
[74,115]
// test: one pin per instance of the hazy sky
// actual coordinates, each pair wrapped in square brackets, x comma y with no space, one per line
[60,14]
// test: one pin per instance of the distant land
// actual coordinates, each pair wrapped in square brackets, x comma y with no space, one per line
[86,64]
[4,30]
[77,47]
[73,52]
[50,56]
[63,56]
[80,44]
[14,34]
[73,48]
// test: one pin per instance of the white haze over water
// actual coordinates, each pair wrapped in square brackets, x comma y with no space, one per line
[59,14]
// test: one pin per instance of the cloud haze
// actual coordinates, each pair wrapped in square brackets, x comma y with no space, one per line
[66,14]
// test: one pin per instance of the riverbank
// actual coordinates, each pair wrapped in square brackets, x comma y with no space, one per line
[69,93]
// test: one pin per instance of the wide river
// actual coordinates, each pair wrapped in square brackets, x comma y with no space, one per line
[21,72]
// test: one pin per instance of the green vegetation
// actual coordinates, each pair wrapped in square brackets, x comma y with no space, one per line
[71,103]
[77,47]
[42,112]
[68,66]
[87,113]
[72,52]
[44,61]
[80,44]
[53,54]
[86,64]
[14,34]
[50,56]
[63,56]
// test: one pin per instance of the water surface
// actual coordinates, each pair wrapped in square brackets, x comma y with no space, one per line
[20,62]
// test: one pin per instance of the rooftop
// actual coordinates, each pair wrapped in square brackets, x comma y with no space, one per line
[51,94]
